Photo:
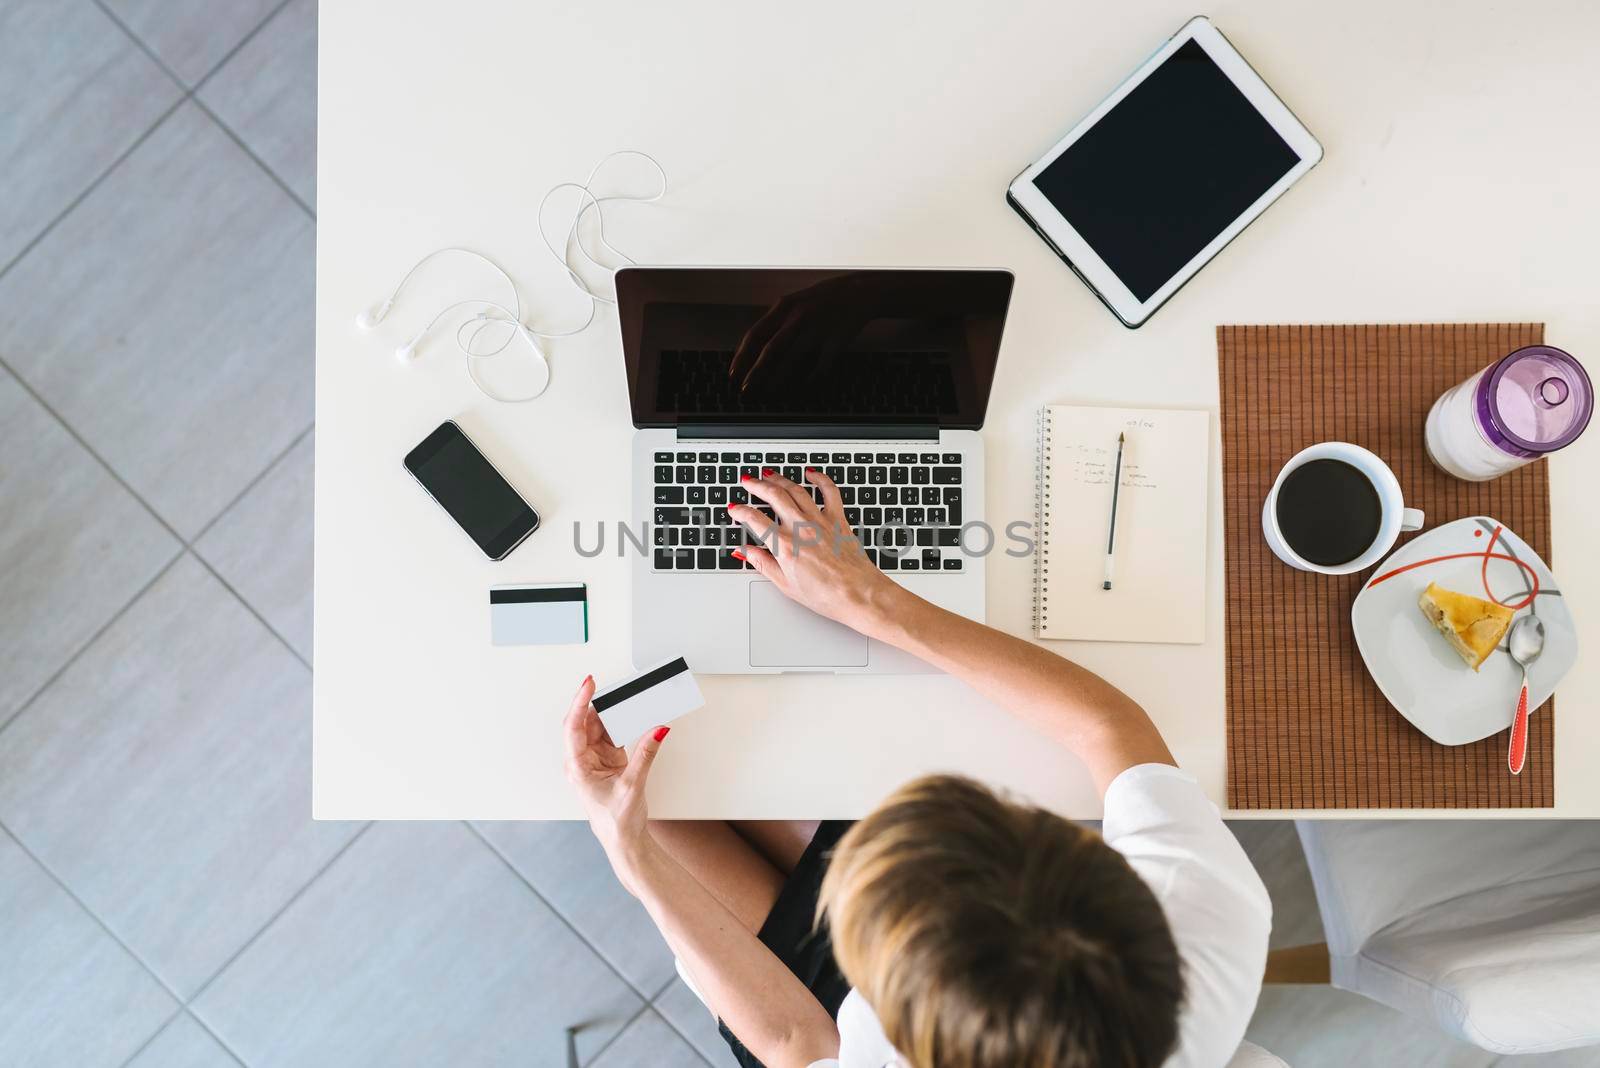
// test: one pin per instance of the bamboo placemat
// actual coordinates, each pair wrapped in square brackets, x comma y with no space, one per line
[1307,727]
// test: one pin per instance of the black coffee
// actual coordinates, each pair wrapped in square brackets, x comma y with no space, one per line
[1329,512]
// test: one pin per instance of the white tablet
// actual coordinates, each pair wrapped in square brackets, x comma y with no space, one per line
[1165,172]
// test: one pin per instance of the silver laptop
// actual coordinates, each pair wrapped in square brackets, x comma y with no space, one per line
[878,376]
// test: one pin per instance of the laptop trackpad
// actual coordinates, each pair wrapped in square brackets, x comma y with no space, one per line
[784,634]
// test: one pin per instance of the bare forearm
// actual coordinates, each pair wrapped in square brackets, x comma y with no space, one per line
[760,1000]
[1099,723]
[813,557]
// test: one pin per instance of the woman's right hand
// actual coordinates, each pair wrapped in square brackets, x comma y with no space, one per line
[810,552]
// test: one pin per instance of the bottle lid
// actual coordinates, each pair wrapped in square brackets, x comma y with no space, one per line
[1534,401]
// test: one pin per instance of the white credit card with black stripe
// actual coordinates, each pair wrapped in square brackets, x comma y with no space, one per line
[553,613]
[652,699]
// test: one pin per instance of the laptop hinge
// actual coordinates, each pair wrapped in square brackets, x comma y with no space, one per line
[810,431]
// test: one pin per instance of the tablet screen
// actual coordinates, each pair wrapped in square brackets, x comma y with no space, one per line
[1166,170]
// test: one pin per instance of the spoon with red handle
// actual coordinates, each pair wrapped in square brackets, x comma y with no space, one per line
[1525,644]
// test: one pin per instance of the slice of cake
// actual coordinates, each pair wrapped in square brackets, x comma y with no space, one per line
[1471,625]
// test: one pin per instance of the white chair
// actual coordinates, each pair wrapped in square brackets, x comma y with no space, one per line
[1250,1055]
[1488,929]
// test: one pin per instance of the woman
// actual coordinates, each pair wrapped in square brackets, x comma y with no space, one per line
[967,931]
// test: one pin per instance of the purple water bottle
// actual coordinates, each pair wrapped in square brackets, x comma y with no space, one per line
[1519,408]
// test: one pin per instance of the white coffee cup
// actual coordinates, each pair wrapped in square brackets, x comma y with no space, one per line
[1395,515]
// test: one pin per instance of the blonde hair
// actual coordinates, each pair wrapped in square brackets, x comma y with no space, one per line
[987,934]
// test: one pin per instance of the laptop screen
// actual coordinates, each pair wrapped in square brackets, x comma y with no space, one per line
[804,346]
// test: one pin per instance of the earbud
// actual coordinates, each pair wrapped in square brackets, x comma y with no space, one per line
[370,318]
[488,311]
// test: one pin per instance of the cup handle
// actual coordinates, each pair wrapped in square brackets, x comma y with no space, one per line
[1411,519]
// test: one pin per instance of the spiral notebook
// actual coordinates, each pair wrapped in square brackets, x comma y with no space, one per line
[1159,589]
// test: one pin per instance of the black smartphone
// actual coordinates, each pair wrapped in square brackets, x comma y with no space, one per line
[476,495]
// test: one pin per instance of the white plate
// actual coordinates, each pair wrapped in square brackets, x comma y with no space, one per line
[1420,674]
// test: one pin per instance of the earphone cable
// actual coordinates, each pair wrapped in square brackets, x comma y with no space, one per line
[512,316]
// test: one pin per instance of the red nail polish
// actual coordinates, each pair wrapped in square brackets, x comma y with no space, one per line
[661,732]
[587,679]
[811,470]
[768,472]
[736,554]
[744,478]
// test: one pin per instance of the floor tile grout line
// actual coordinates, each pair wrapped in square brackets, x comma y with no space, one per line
[72,205]
[91,913]
[248,607]
[259,162]
[255,31]
[252,484]
[185,542]
[185,93]
[184,1004]
[84,194]
[93,453]
[687,1041]
[186,545]
[568,924]
[139,43]
[655,1003]
[185,1007]
[141,1047]
[168,1022]
[192,93]
[608,1043]
[89,642]
[229,1050]
[154,57]
[316,876]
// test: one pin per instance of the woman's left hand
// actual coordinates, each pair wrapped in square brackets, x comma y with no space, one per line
[610,783]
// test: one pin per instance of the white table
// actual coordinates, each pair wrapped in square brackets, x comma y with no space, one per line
[1459,184]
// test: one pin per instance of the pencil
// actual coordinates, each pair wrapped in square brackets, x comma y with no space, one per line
[1111,535]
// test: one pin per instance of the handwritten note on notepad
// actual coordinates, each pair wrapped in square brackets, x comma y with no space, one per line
[1159,593]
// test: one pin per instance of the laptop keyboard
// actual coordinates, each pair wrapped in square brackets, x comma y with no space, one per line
[904,506]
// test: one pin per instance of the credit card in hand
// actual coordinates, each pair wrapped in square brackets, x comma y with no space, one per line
[652,699]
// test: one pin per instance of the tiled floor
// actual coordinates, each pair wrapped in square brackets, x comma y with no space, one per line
[165,898]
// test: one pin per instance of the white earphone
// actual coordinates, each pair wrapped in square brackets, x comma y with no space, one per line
[370,318]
